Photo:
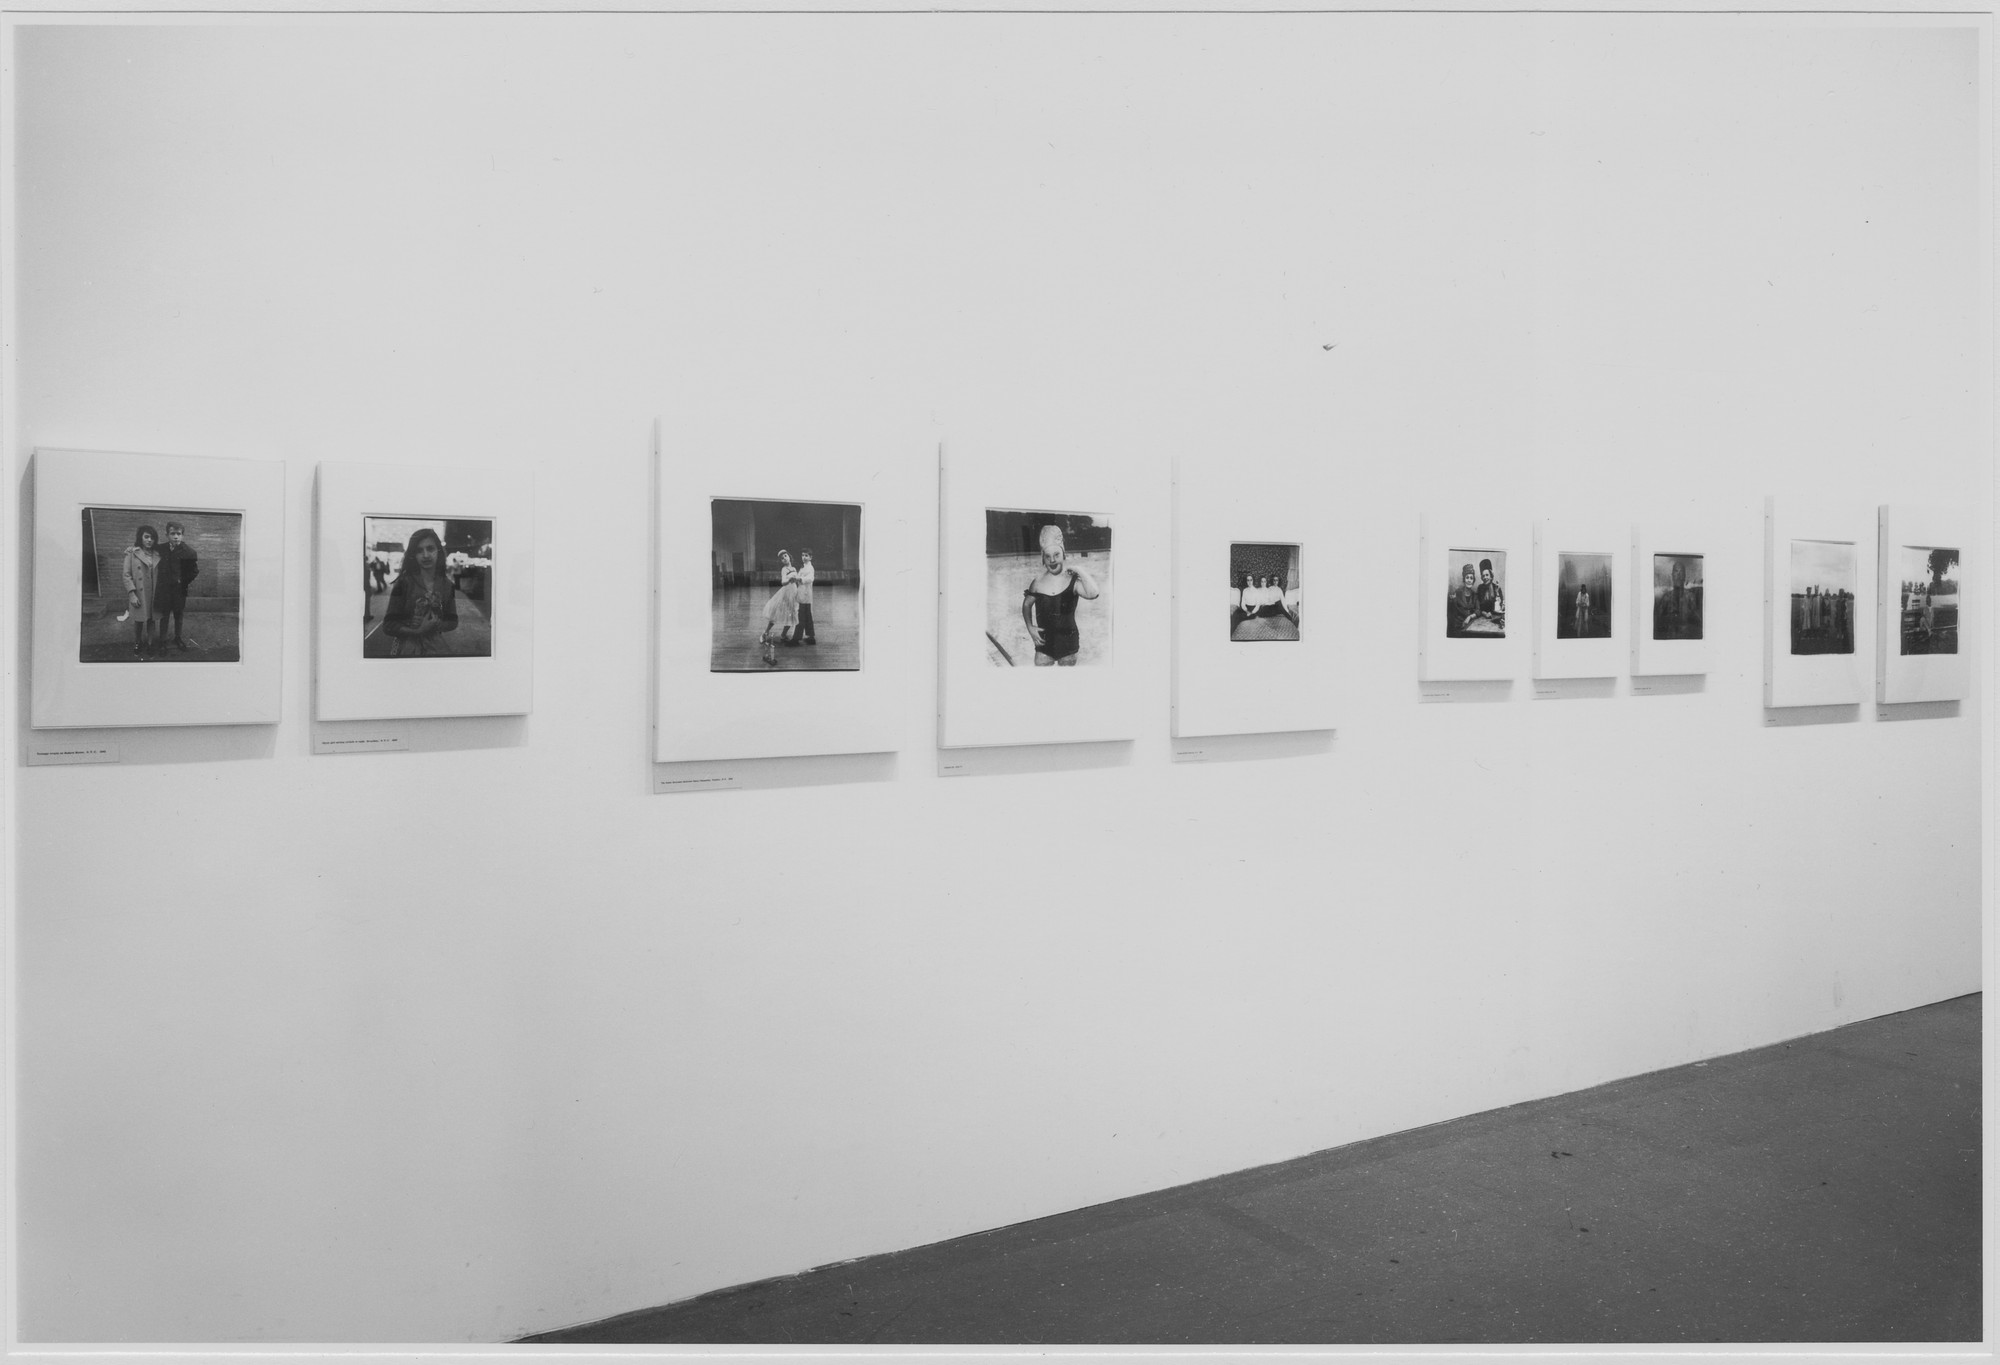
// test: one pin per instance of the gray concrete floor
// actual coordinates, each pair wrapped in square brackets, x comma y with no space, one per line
[1826,1189]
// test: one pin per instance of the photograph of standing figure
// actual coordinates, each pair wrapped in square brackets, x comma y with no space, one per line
[1929,600]
[1823,578]
[1048,589]
[1476,601]
[786,586]
[1677,597]
[1583,596]
[145,571]
[426,587]
[1264,592]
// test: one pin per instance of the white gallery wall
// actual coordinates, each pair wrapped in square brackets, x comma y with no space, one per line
[487,1039]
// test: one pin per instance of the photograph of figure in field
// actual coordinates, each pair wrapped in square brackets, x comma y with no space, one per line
[786,586]
[1676,597]
[1048,589]
[1476,595]
[1822,597]
[426,588]
[1929,577]
[161,585]
[1263,592]
[1583,596]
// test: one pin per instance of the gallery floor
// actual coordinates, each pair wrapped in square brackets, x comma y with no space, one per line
[1825,1189]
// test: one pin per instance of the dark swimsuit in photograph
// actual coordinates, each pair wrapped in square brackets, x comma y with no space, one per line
[1056,617]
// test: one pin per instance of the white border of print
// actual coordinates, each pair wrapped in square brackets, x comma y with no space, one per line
[1559,658]
[1222,687]
[1815,679]
[349,687]
[68,693]
[1919,677]
[1650,656]
[1439,657]
[980,705]
[702,715]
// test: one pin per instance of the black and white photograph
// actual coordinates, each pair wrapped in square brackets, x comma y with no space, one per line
[161,585]
[1264,592]
[1929,588]
[426,587]
[786,586]
[1822,597]
[1583,596]
[1676,597]
[1476,601]
[1048,589]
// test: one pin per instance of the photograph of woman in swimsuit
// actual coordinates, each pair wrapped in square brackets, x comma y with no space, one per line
[1048,589]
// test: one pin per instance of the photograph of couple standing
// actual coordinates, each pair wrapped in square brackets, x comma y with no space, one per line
[146,571]
[785,582]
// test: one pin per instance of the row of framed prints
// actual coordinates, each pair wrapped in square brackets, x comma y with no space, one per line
[1844,588]
[158,601]
[158,591]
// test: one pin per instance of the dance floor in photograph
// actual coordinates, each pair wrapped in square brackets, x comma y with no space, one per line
[738,616]
[1008,576]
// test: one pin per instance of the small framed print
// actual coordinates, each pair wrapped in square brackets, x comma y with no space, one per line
[1472,621]
[158,590]
[1819,580]
[425,593]
[1246,659]
[774,604]
[1031,565]
[1669,599]
[1579,623]
[1920,645]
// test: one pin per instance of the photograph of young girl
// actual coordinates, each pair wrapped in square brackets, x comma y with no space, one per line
[1264,592]
[426,587]
[1048,589]
[161,586]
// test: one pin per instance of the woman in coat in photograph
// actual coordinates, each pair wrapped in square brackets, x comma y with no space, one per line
[142,577]
[423,605]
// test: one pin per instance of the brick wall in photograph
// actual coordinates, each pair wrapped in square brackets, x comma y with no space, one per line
[217,538]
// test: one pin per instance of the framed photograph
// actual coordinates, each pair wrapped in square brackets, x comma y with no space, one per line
[158,590]
[1246,661]
[1579,625]
[425,592]
[1921,652]
[773,598]
[1819,578]
[1669,599]
[1473,619]
[1031,567]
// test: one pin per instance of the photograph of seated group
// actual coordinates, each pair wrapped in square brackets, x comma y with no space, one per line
[1928,623]
[1264,592]
[1476,603]
[426,587]
[146,572]
[786,586]
[1048,589]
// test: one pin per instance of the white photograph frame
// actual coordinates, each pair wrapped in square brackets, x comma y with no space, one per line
[1598,656]
[68,694]
[1816,679]
[1651,657]
[1440,657]
[1903,677]
[347,686]
[1226,687]
[980,705]
[701,715]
